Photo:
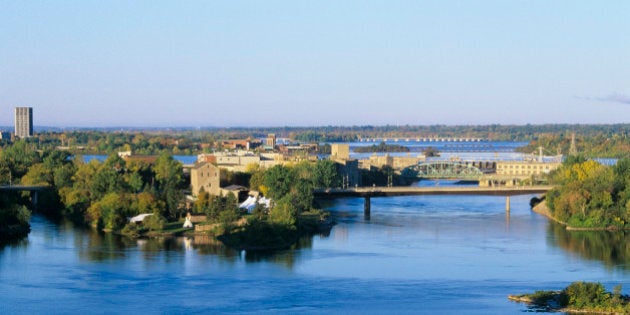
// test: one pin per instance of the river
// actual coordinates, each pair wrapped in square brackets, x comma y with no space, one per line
[421,254]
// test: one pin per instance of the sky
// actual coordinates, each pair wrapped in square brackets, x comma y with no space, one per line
[313,63]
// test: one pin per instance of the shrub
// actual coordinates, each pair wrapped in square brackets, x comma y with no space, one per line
[154,222]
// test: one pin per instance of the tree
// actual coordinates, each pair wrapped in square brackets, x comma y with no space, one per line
[430,152]
[257,180]
[278,180]
[325,174]
[110,212]
[16,159]
[283,213]
[169,175]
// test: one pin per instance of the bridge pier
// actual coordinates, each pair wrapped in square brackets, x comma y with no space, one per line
[34,198]
[366,207]
[507,204]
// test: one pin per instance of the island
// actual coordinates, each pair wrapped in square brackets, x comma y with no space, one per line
[578,297]
[381,148]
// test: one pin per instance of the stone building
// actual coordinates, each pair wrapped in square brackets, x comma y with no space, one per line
[207,176]
[340,151]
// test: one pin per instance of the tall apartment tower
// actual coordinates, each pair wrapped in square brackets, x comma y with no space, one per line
[23,122]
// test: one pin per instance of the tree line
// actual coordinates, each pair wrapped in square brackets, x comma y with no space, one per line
[590,194]
[102,194]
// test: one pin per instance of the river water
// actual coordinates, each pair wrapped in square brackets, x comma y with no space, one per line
[423,254]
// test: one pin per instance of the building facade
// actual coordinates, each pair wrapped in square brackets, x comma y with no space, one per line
[207,176]
[23,122]
[525,168]
[340,151]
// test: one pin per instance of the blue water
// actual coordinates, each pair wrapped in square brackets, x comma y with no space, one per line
[423,254]
[184,159]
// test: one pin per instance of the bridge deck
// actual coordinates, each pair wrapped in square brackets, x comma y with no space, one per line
[415,191]
[23,188]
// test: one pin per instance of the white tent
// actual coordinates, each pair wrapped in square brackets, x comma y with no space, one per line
[250,203]
[139,218]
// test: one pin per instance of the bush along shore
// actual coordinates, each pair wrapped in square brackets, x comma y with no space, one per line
[260,234]
[578,297]
[589,195]
[14,219]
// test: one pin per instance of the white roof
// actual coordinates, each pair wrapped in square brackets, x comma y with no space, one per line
[139,218]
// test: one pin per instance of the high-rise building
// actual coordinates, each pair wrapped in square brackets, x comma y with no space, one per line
[23,122]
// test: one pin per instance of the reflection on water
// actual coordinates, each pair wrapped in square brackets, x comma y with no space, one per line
[413,255]
[95,246]
[610,247]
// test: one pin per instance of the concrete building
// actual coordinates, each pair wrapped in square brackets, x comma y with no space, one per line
[340,151]
[377,161]
[512,173]
[207,176]
[525,168]
[23,122]
[240,144]
[395,162]
[233,161]
[401,162]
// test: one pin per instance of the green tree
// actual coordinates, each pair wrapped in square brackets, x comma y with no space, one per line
[110,212]
[283,213]
[278,180]
[325,174]
[169,175]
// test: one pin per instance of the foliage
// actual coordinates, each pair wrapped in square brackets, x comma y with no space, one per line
[109,212]
[103,194]
[579,296]
[154,222]
[590,194]
[16,159]
[430,152]
[260,234]
[587,295]
[169,175]
[283,213]
[278,179]
[325,174]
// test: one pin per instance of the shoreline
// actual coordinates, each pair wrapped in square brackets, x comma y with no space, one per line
[542,209]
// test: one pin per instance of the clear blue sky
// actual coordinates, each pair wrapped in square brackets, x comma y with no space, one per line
[303,63]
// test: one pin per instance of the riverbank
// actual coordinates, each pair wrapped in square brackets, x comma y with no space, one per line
[14,232]
[246,233]
[543,209]
[578,297]
[261,235]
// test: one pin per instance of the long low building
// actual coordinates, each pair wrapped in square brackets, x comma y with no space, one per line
[525,168]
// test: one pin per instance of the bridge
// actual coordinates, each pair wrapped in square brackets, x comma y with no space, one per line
[375,192]
[443,169]
[33,189]
[423,139]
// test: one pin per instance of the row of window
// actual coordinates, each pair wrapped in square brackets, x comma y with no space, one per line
[524,166]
